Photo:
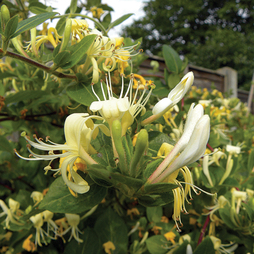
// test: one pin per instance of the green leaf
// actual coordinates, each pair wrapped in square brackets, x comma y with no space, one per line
[119,21]
[111,227]
[62,58]
[154,214]
[159,188]
[79,50]
[60,26]
[251,161]
[5,145]
[225,216]
[60,200]
[91,243]
[173,80]
[32,22]
[172,59]
[11,27]
[83,94]
[154,244]
[24,95]
[206,246]
[156,200]
[73,6]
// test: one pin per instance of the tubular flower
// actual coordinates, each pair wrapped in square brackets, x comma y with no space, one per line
[54,40]
[73,221]
[173,98]
[107,51]
[37,221]
[10,212]
[192,144]
[222,248]
[97,12]
[79,129]
[78,29]
[125,107]
[51,225]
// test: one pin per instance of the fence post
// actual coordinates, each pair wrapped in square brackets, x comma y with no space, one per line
[230,81]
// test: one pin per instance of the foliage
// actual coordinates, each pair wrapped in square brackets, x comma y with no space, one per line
[210,34]
[126,160]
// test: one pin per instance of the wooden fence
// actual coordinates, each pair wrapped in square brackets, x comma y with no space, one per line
[223,79]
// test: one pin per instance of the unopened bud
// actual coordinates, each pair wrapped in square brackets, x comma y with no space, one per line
[67,33]
[5,16]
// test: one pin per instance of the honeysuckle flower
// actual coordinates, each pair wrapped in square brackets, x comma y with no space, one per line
[173,98]
[37,197]
[73,221]
[79,129]
[97,12]
[192,144]
[238,197]
[53,39]
[233,149]
[108,246]
[10,212]
[222,248]
[189,249]
[28,245]
[170,236]
[221,202]
[125,106]
[78,29]
[107,51]
[51,225]
[37,221]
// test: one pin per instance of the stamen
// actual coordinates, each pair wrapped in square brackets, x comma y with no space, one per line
[95,92]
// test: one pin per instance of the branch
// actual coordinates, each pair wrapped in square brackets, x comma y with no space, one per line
[37,64]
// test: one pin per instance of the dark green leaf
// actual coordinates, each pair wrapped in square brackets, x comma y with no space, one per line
[119,21]
[24,95]
[60,200]
[110,227]
[154,214]
[159,188]
[5,145]
[206,246]
[91,243]
[11,27]
[251,161]
[154,244]
[62,58]
[79,50]
[156,200]
[172,59]
[32,22]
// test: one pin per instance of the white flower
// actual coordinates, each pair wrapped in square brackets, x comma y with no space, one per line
[37,221]
[79,129]
[192,144]
[126,106]
[73,221]
[10,212]
[222,248]
[233,149]
[37,197]
[51,225]
[174,96]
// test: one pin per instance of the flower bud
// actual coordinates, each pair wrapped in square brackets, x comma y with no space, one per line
[5,16]
[67,34]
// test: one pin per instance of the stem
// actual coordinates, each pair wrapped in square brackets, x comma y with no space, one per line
[38,65]
[73,15]
[203,229]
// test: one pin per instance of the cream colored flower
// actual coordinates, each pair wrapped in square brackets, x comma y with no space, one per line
[79,129]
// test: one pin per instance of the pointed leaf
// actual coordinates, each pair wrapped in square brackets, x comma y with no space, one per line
[111,227]
[5,145]
[32,22]
[73,6]
[172,59]
[206,246]
[119,21]
[79,50]
[59,199]
[154,244]
[11,27]
[91,243]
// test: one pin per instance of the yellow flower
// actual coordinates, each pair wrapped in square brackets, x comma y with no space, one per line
[53,39]
[29,245]
[170,236]
[97,12]
[108,246]
[78,29]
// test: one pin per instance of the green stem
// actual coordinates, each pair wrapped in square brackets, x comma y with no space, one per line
[73,15]
[37,64]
